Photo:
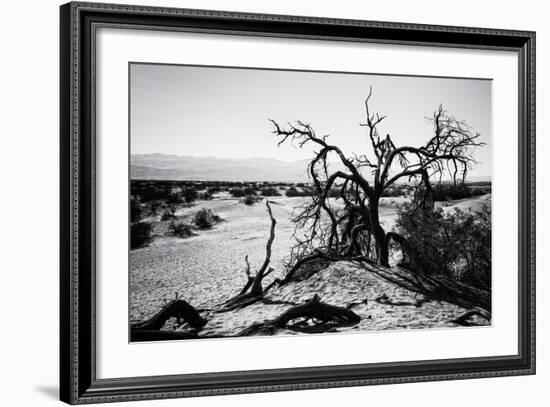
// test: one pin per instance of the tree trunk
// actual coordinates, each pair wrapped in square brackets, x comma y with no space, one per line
[382,246]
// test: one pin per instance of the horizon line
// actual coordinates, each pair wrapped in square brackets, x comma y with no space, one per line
[252,158]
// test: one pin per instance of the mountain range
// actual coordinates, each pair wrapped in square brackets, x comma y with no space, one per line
[158,166]
[175,167]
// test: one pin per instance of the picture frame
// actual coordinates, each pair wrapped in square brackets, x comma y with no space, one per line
[79,382]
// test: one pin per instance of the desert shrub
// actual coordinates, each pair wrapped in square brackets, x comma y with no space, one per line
[293,191]
[480,188]
[140,234]
[451,192]
[205,219]
[249,191]
[213,190]
[151,192]
[236,192]
[190,195]
[154,206]
[392,192]
[308,191]
[174,198]
[456,244]
[249,200]
[270,191]
[135,211]
[205,196]
[169,213]
[181,230]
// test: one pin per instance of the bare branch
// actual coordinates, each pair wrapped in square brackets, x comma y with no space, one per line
[333,231]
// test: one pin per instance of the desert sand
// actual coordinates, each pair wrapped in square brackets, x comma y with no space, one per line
[207,269]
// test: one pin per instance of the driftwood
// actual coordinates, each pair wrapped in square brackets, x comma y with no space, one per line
[463,319]
[179,309]
[325,318]
[253,291]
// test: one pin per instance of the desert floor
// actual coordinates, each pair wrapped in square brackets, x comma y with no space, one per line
[207,269]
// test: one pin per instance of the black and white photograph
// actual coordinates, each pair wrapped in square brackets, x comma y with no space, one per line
[277,202]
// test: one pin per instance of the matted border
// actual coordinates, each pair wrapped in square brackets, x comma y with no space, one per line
[77,250]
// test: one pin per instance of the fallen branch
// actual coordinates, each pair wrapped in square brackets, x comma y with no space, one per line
[356,303]
[463,318]
[179,309]
[324,317]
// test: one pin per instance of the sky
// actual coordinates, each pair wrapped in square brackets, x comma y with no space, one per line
[224,112]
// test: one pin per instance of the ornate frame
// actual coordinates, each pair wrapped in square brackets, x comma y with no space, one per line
[78,380]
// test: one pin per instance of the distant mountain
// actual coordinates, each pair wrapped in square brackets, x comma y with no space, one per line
[175,167]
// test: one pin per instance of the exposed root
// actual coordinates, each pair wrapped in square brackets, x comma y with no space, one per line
[313,316]
[179,309]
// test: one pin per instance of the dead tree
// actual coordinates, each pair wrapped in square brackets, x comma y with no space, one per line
[253,290]
[356,231]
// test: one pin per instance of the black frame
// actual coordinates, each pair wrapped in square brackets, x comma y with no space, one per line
[78,382]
